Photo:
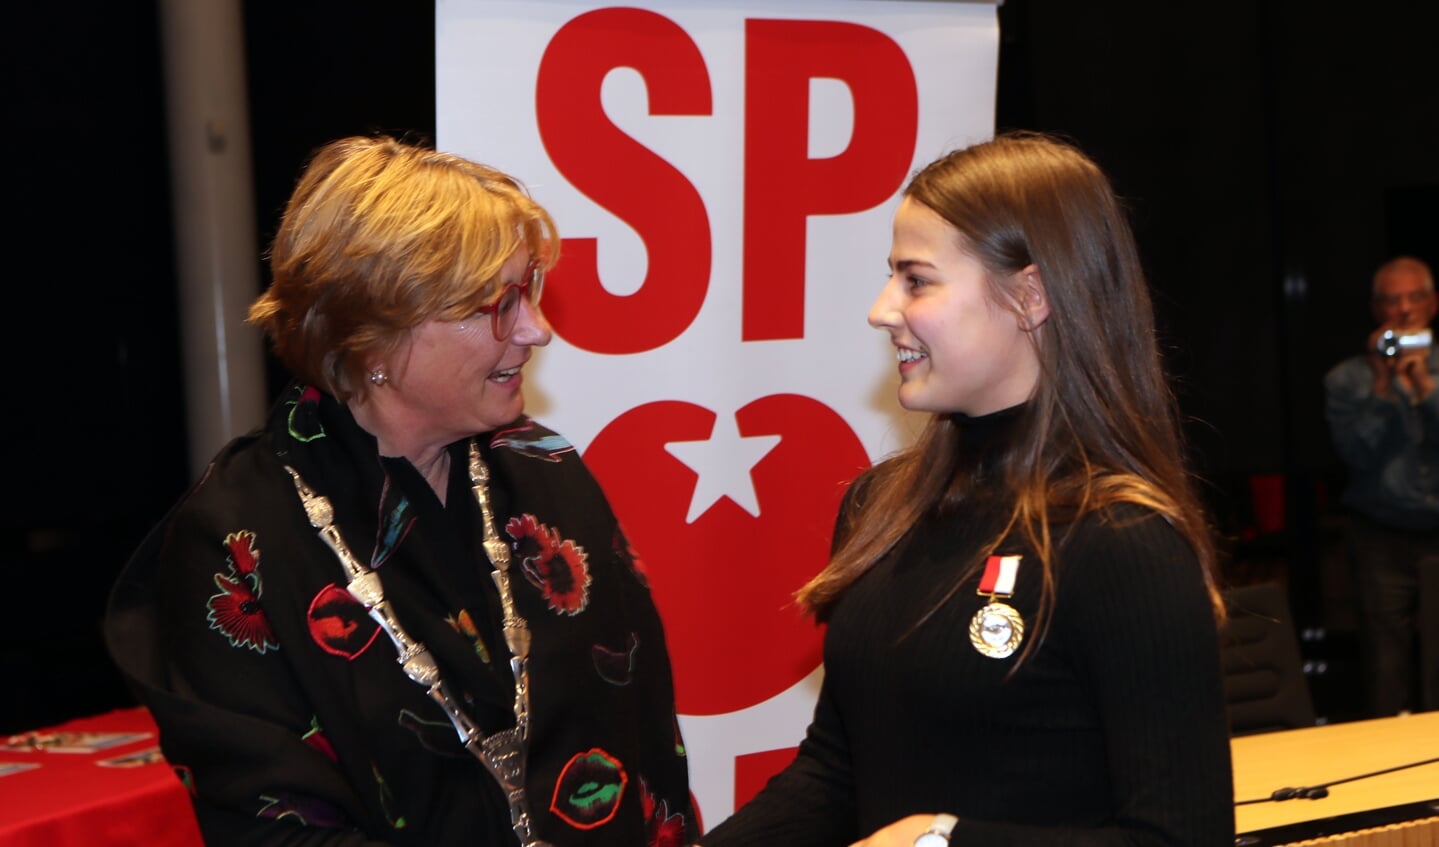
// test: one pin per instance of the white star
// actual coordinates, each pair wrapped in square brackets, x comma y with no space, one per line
[723,464]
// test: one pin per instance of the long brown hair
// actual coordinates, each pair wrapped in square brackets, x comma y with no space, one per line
[1102,425]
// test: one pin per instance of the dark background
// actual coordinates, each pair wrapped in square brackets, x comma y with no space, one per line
[1273,153]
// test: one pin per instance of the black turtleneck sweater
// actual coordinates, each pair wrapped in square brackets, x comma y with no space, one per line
[1112,732]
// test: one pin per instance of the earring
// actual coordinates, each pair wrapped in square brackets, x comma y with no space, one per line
[379,377]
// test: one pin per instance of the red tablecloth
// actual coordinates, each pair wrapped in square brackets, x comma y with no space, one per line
[92,781]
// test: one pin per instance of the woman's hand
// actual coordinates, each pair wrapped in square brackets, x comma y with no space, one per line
[901,833]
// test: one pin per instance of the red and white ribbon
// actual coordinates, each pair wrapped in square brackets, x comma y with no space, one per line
[999,575]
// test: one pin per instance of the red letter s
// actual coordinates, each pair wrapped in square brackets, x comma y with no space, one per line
[626,178]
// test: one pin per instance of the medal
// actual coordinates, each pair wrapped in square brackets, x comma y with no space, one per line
[997,629]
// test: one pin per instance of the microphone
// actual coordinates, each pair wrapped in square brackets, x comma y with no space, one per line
[1319,792]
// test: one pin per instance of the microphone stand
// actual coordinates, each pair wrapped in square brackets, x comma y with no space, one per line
[1318,792]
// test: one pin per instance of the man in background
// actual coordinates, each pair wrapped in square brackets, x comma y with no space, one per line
[1383,415]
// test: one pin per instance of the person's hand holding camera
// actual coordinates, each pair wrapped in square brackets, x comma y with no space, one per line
[1398,350]
[1411,369]
[1381,366]
[1401,356]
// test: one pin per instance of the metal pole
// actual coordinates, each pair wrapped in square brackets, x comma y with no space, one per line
[213,209]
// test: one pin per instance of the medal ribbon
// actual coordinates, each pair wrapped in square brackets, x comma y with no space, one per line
[999,576]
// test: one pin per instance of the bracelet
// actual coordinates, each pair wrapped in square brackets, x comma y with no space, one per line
[938,833]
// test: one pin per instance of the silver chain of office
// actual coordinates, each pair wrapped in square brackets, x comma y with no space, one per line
[503,753]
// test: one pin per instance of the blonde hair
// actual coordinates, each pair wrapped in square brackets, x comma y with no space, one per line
[379,236]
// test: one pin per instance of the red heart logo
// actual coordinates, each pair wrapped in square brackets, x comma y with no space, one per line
[724,584]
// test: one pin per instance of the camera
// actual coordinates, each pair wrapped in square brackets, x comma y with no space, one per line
[1392,344]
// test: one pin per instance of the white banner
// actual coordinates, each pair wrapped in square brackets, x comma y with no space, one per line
[724,177]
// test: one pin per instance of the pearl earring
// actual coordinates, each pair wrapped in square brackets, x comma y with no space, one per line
[378,376]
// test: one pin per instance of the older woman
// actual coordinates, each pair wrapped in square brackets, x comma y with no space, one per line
[400,611]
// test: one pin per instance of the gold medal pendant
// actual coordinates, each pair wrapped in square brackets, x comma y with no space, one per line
[997,629]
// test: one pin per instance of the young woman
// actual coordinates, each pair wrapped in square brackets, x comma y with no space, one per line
[1022,642]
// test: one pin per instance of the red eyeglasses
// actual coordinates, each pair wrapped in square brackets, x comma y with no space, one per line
[506,308]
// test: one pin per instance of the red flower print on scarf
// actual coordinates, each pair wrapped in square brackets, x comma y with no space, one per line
[662,828]
[236,612]
[558,567]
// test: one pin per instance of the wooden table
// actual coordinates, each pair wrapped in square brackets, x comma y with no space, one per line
[1323,755]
